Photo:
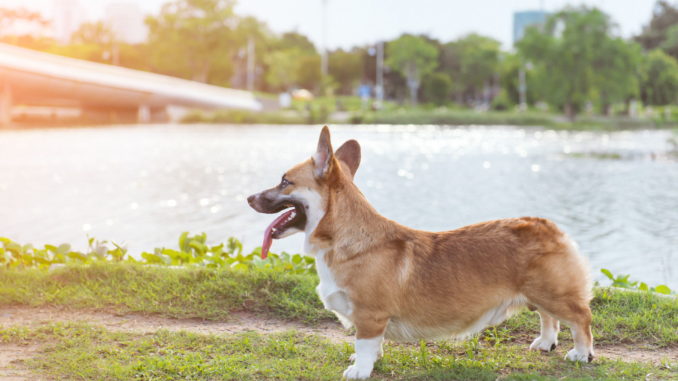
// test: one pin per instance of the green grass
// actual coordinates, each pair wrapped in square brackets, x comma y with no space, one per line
[323,111]
[453,116]
[196,292]
[190,292]
[83,352]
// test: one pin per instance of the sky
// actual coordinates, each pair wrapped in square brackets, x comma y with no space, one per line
[360,22]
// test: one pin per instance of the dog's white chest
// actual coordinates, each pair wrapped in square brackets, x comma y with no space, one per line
[333,297]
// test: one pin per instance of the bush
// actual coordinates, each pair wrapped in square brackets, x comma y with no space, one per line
[192,250]
[436,88]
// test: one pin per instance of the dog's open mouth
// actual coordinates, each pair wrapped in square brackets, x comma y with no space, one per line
[291,218]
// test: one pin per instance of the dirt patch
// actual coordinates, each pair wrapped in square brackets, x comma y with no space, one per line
[240,322]
[12,357]
[656,356]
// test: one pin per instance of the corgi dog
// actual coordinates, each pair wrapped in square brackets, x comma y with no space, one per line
[391,281]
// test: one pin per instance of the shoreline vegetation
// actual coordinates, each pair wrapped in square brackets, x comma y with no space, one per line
[209,284]
[319,113]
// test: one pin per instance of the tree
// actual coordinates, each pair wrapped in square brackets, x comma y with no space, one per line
[616,75]
[308,72]
[195,39]
[472,61]
[250,29]
[295,40]
[282,69]
[670,43]
[659,80]
[656,33]
[346,68]
[509,69]
[413,57]
[437,88]
[576,57]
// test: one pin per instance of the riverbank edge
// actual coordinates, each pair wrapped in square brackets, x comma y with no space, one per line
[428,117]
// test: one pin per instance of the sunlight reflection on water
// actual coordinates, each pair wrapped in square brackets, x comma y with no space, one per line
[615,193]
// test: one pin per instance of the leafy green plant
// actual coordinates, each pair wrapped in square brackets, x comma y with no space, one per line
[192,251]
[623,281]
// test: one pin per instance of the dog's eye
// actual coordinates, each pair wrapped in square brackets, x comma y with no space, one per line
[284,183]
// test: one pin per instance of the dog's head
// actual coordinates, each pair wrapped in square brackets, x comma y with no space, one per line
[303,190]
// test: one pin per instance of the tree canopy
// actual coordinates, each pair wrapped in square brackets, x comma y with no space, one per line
[413,57]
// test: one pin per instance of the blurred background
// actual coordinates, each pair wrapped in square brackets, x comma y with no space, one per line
[134,121]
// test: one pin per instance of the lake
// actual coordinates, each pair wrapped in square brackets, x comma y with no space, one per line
[615,193]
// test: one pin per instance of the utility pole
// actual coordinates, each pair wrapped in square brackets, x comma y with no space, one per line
[522,88]
[379,90]
[323,57]
[250,64]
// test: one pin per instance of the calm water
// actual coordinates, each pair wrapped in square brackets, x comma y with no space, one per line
[614,193]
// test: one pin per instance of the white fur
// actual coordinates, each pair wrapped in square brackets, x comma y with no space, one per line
[404,331]
[333,297]
[366,353]
[313,203]
[548,336]
[580,352]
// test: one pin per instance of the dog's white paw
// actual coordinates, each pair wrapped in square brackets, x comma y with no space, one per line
[380,354]
[355,372]
[543,344]
[574,355]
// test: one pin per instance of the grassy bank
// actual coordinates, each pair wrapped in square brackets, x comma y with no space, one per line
[173,292]
[439,116]
[446,116]
[620,317]
[76,351]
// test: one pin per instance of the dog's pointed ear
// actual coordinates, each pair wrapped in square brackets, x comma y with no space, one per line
[322,159]
[349,154]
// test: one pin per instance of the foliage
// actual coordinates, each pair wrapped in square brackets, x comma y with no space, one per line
[660,31]
[472,61]
[576,57]
[616,72]
[574,61]
[623,281]
[308,71]
[296,41]
[413,57]
[194,39]
[659,81]
[346,67]
[437,88]
[192,250]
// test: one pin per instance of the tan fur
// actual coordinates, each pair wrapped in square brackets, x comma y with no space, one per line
[442,283]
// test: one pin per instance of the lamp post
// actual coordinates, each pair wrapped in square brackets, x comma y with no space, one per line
[323,57]
[379,90]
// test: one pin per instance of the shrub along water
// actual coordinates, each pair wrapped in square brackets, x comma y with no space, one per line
[192,250]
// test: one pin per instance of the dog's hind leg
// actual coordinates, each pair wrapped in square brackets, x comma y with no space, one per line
[577,314]
[548,337]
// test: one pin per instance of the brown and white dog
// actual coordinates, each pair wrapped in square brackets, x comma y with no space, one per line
[394,282]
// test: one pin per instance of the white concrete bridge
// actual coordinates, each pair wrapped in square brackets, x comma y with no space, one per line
[33,78]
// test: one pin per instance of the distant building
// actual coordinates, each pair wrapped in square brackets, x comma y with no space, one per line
[126,22]
[525,19]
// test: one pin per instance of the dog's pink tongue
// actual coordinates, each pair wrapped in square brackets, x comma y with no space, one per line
[268,234]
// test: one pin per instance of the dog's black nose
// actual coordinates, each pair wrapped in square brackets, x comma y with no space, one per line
[251,198]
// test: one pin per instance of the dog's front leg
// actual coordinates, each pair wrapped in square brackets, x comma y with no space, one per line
[369,339]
